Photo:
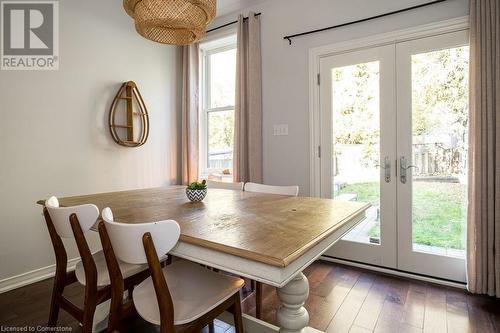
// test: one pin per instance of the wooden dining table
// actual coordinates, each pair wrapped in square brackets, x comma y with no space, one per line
[265,237]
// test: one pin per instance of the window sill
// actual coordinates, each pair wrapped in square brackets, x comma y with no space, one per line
[224,177]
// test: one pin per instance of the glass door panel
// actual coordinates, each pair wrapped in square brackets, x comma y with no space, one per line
[356,143]
[432,145]
[439,150]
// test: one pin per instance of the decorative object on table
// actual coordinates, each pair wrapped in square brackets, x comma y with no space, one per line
[197,191]
[178,22]
[129,128]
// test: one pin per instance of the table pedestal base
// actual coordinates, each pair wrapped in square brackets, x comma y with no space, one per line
[292,316]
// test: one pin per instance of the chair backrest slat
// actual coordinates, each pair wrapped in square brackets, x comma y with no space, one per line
[72,222]
[87,216]
[225,185]
[126,239]
[271,189]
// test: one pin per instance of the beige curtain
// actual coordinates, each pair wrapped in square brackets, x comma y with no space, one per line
[190,115]
[247,161]
[483,233]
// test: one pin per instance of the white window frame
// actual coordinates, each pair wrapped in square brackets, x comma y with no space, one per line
[220,43]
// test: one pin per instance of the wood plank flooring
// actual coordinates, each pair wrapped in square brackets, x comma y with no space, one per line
[342,299]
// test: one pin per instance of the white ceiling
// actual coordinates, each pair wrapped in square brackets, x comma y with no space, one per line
[228,6]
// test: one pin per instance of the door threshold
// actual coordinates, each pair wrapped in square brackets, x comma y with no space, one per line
[390,271]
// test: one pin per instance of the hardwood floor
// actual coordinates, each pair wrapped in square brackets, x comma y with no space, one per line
[342,299]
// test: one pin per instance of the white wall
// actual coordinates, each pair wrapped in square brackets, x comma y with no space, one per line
[285,68]
[54,138]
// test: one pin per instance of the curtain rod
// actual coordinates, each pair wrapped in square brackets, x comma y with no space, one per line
[230,23]
[289,37]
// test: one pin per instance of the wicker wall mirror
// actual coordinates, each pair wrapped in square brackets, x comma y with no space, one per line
[128,117]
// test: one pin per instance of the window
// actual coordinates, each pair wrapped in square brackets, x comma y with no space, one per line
[218,76]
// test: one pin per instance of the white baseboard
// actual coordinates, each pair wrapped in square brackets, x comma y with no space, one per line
[397,273]
[33,276]
[43,273]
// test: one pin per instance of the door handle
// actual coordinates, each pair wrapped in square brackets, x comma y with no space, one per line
[403,168]
[387,169]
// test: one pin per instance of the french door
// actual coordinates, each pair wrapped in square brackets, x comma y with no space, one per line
[358,140]
[394,122]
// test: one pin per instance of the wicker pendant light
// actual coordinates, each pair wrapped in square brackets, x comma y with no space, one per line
[178,22]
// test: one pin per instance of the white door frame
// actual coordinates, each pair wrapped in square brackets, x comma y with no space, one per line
[315,55]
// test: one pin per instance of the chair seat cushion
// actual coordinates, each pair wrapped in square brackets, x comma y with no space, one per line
[194,289]
[102,269]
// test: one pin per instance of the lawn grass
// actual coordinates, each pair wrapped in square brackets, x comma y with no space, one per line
[438,211]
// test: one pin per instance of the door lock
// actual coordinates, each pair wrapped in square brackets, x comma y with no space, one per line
[403,168]
[387,169]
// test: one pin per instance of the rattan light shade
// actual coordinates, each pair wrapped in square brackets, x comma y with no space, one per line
[178,22]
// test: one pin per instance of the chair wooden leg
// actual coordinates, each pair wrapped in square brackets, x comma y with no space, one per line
[88,318]
[211,328]
[258,300]
[54,309]
[57,292]
[253,285]
[238,320]
[115,315]
[90,304]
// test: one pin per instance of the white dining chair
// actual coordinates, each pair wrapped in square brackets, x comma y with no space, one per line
[91,271]
[225,185]
[183,295]
[269,189]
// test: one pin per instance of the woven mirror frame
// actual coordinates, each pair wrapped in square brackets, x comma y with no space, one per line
[178,22]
